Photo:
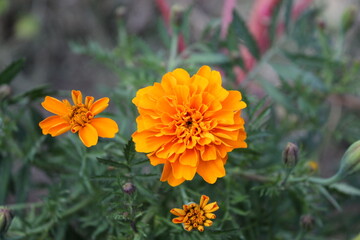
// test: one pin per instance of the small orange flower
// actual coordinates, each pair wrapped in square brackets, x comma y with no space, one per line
[79,117]
[189,124]
[196,216]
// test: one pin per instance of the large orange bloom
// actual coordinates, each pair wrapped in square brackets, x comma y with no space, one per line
[79,117]
[189,124]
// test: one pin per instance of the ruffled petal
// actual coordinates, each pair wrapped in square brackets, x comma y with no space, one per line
[99,105]
[210,171]
[105,127]
[88,135]
[180,171]
[55,106]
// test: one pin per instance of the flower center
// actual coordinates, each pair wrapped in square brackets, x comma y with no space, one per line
[194,217]
[79,117]
[188,123]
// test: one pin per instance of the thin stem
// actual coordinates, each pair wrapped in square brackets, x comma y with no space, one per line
[184,197]
[173,51]
[288,173]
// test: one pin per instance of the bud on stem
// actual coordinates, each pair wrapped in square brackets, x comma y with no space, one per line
[290,155]
[5,220]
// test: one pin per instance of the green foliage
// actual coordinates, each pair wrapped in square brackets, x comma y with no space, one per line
[83,194]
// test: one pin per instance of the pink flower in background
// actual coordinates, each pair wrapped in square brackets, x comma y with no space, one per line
[258,25]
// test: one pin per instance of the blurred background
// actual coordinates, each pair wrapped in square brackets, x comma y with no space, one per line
[42,30]
[88,45]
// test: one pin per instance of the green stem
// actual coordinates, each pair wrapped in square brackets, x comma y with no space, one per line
[300,235]
[184,197]
[288,173]
[173,50]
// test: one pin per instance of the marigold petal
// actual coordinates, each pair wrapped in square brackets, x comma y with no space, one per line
[168,176]
[88,135]
[59,129]
[50,122]
[147,142]
[89,101]
[198,84]
[215,87]
[233,101]
[178,212]
[203,201]
[76,97]
[182,94]
[180,171]
[154,160]
[178,220]
[166,172]
[181,76]
[175,181]
[210,171]
[99,105]
[105,127]
[211,207]
[208,223]
[189,157]
[209,153]
[55,106]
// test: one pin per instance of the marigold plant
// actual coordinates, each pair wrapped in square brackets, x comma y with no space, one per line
[189,124]
[196,216]
[79,117]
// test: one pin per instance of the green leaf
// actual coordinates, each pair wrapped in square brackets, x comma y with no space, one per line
[345,189]
[328,197]
[275,94]
[288,10]
[207,58]
[129,151]
[10,72]
[274,21]
[244,34]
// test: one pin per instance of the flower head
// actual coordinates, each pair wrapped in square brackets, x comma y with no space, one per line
[196,216]
[189,124]
[79,117]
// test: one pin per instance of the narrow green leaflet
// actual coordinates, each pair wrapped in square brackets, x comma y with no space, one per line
[345,189]
[10,72]
[239,26]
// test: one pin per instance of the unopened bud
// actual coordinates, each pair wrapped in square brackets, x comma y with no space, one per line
[348,19]
[177,12]
[350,162]
[307,222]
[129,188]
[290,155]
[5,220]
[5,91]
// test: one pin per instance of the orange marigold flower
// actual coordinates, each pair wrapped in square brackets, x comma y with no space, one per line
[196,216]
[79,117]
[189,124]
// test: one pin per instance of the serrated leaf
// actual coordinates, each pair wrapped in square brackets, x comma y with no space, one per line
[129,151]
[113,163]
[345,189]
[239,26]
[10,72]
